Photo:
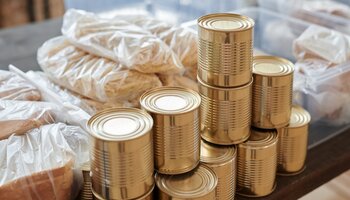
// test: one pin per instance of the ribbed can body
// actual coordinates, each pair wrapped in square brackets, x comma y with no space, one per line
[225,49]
[257,164]
[175,112]
[225,113]
[85,193]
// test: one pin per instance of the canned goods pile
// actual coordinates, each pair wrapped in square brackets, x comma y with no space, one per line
[232,137]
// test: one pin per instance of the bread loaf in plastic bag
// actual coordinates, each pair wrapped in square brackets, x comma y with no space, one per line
[94,77]
[12,87]
[40,164]
[121,41]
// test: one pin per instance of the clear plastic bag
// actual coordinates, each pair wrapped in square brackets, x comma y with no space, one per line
[121,41]
[12,87]
[318,42]
[91,76]
[327,6]
[40,164]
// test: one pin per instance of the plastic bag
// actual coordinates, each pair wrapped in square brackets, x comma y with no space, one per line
[39,165]
[321,43]
[118,40]
[93,77]
[21,116]
[182,40]
[12,87]
[326,6]
[179,81]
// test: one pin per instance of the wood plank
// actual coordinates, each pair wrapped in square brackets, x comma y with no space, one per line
[324,162]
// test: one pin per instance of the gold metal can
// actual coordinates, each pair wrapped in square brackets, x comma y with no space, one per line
[292,143]
[175,112]
[86,193]
[222,160]
[225,49]
[121,153]
[148,196]
[272,92]
[225,113]
[199,184]
[257,164]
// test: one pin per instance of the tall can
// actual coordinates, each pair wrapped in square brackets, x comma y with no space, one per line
[223,161]
[121,153]
[272,92]
[225,113]
[198,184]
[257,164]
[175,112]
[292,143]
[225,49]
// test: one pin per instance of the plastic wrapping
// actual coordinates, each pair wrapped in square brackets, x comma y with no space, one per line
[182,40]
[88,105]
[179,81]
[327,6]
[121,41]
[39,165]
[321,43]
[12,87]
[93,77]
[21,116]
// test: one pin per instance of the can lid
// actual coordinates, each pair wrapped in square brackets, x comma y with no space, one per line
[120,124]
[272,66]
[170,100]
[215,154]
[260,138]
[299,117]
[194,184]
[225,22]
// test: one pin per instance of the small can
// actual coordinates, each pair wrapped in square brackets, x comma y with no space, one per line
[225,113]
[121,153]
[222,160]
[272,92]
[225,49]
[147,196]
[198,184]
[86,193]
[292,143]
[175,112]
[257,164]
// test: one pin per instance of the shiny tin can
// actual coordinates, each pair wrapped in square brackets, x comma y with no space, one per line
[257,164]
[225,113]
[148,196]
[121,153]
[85,192]
[225,49]
[198,184]
[292,143]
[175,112]
[223,161]
[272,92]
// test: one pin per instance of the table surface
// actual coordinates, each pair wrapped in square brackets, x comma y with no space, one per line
[329,147]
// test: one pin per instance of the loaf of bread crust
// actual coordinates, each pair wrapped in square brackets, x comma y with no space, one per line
[13,87]
[94,77]
[121,41]
[179,81]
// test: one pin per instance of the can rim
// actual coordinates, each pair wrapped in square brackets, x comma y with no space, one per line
[299,117]
[229,155]
[288,65]
[147,100]
[267,142]
[249,22]
[201,82]
[140,116]
[212,184]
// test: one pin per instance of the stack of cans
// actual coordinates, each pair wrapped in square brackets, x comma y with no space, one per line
[121,154]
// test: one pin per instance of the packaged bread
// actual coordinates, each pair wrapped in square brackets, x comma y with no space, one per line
[120,41]
[179,81]
[39,165]
[317,42]
[182,40]
[94,77]
[327,6]
[12,87]
[18,117]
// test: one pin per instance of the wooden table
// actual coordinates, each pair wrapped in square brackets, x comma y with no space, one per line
[329,147]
